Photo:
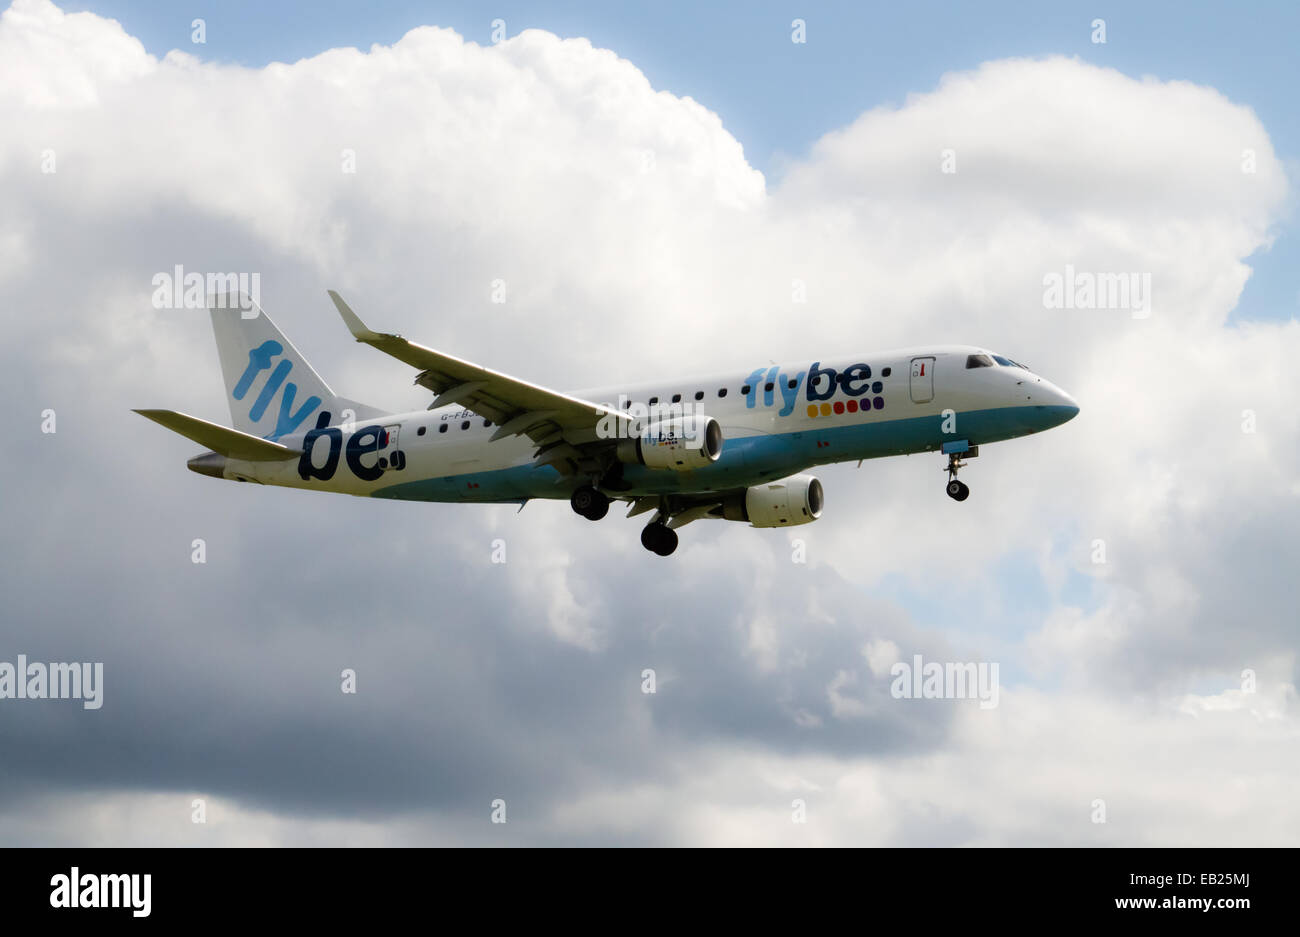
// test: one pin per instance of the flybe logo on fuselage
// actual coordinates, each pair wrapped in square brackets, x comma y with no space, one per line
[259,360]
[822,384]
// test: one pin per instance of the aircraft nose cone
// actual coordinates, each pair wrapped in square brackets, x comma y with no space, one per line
[212,464]
[1050,405]
[1069,406]
[1060,406]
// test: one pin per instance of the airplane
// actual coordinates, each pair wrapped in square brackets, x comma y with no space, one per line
[733,446]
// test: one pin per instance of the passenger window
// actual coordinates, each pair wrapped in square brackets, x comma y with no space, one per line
[745,389]
[885,373]
[722,391]
[768,387]
[653,401]
[699,395]
[420,431]
[677,398]
[442,428]
[465,425]
[978,361]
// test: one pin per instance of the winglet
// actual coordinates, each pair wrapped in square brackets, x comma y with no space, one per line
[353,321]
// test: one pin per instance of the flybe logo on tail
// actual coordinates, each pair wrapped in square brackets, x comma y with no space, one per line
[259,360]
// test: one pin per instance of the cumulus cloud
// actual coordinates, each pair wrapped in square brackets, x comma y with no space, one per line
[633,239]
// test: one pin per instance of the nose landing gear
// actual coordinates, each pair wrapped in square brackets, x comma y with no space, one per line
[958,490]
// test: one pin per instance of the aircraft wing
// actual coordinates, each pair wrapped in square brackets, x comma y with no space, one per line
[561,425]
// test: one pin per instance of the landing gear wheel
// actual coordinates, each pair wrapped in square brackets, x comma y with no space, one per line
[659,538]
[590,503]
[956,490]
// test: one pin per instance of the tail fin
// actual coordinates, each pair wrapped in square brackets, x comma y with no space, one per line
[270,387]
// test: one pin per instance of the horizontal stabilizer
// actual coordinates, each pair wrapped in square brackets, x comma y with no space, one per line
[230,443]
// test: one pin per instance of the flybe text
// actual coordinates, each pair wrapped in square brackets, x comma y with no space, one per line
[772,386]
[259,360]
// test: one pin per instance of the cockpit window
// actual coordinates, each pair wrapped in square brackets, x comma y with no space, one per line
[978,361]
[1005,362]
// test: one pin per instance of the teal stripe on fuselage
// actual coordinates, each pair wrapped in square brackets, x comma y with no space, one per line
[748,460]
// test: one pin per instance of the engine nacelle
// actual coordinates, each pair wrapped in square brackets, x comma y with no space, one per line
[786,502]
[681,444]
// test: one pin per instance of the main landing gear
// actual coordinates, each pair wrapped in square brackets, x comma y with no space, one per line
[658,537]
[956,490]
[590,503]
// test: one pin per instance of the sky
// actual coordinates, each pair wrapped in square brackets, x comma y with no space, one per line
[778,98]
[649,181]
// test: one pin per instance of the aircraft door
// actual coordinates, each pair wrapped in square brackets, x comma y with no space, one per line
[922,383]
[395,459]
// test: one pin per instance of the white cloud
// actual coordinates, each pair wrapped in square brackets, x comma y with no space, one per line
[635,240]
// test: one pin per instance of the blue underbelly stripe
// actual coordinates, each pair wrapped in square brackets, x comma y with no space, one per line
[749,460]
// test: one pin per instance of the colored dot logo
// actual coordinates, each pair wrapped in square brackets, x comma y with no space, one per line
[851,406]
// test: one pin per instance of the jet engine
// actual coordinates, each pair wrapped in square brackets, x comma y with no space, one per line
[786,502]
[681,444]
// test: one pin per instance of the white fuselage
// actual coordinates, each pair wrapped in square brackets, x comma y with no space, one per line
[776,420]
